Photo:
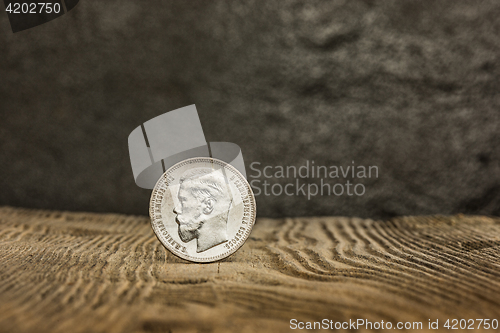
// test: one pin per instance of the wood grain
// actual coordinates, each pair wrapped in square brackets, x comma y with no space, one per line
[82,272]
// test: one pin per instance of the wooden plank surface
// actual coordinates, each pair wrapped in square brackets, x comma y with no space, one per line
[82,272]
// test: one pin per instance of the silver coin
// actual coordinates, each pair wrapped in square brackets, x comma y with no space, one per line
[202,209]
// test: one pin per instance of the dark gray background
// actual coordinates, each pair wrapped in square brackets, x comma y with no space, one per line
[410,86]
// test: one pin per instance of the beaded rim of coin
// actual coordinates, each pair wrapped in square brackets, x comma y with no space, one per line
[170,240]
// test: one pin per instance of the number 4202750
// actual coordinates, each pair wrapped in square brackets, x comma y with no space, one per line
[33,8]
[471,324]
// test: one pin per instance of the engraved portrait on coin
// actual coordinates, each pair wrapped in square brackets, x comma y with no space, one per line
[202,209]
[204,203]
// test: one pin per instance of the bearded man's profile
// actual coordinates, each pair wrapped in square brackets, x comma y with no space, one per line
[203,209]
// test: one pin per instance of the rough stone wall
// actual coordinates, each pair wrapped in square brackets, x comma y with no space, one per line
[410,86]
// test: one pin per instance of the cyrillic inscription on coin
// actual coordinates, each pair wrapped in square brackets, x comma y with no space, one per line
[202,209]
